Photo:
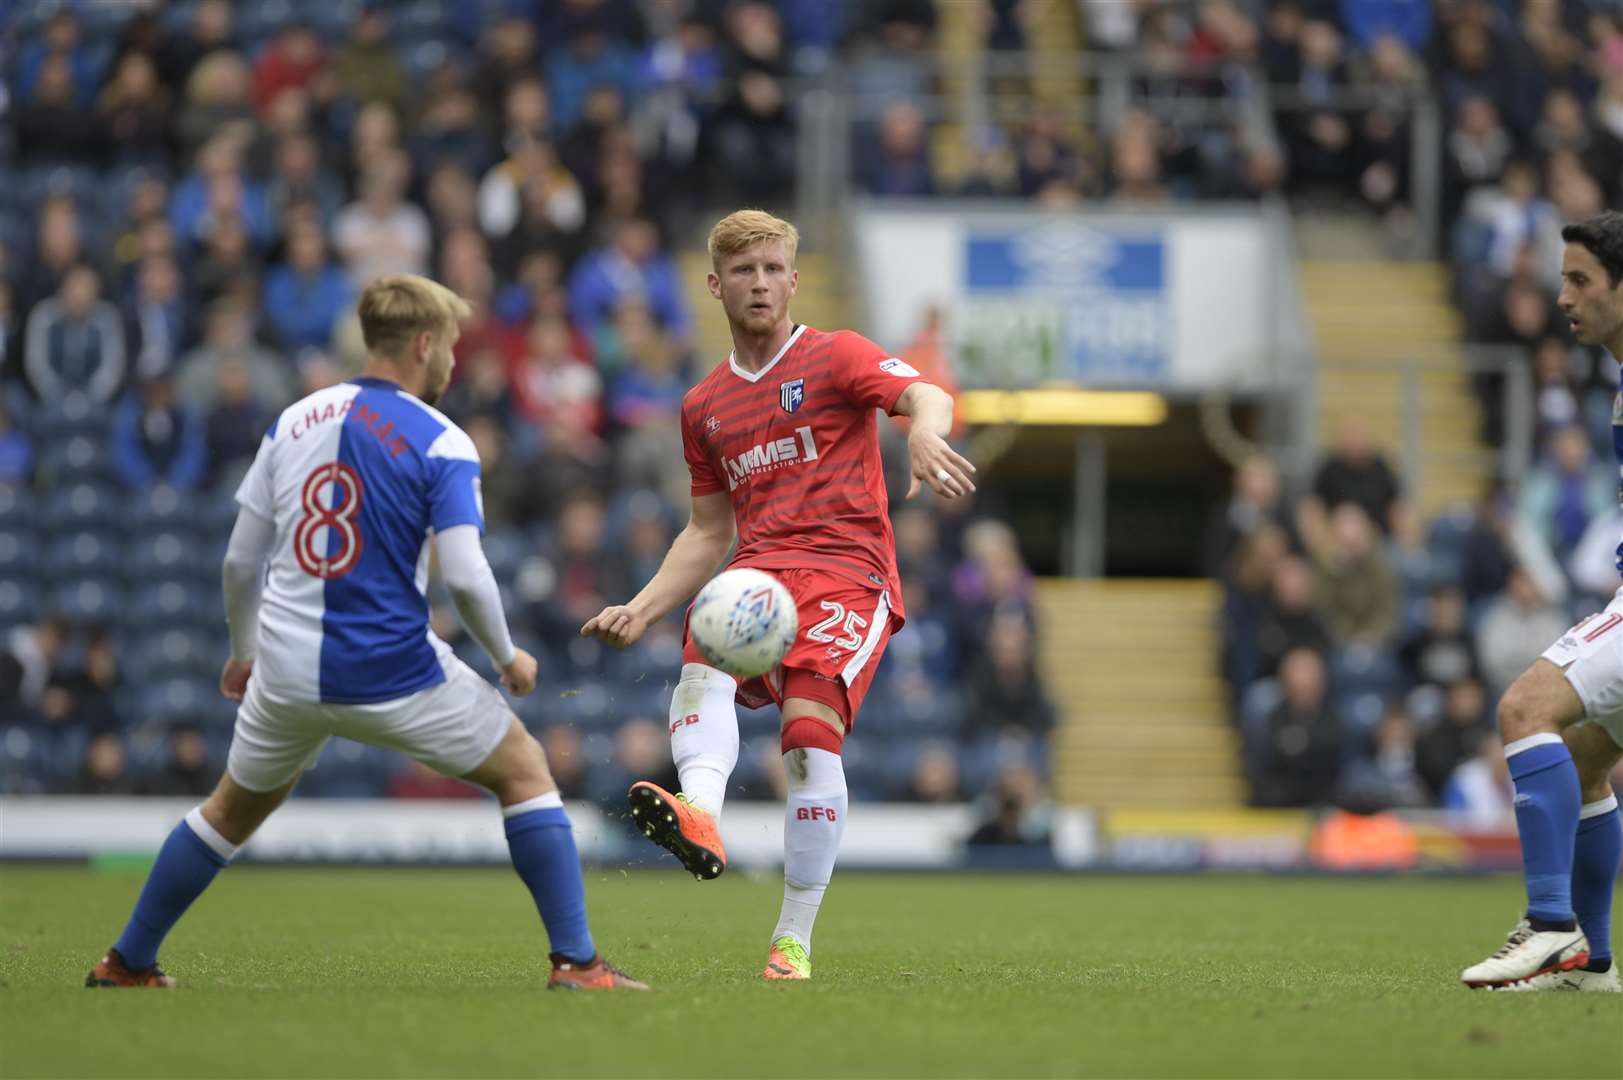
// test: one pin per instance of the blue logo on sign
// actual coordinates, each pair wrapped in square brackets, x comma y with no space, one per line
[1098,296]
[791,394]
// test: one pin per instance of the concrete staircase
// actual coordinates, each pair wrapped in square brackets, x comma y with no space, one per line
[1133,667]
[820,301]
[1367,314]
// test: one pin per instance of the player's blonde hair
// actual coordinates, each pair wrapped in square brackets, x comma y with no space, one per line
[393,310]
[745,228]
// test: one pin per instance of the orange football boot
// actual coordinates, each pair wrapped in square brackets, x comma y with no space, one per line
[679,827]
[113,971]
[598,975]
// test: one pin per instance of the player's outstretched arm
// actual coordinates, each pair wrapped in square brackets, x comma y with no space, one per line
[241,576]
[934,463]
[695,553]
[473,590]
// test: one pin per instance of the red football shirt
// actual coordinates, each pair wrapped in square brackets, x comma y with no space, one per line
[796,446]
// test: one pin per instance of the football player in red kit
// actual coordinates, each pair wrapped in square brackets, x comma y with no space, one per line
[783,446]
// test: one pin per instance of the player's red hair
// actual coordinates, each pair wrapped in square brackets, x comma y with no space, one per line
[746,228]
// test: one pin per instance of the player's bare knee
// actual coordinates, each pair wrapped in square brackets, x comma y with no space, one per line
[1520,715]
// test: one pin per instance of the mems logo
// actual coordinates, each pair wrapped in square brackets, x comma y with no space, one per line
[764,457]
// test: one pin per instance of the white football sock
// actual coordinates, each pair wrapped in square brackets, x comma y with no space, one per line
[813,824]
[704,734]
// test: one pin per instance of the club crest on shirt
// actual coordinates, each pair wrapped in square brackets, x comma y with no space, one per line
[712,425]
[791,394]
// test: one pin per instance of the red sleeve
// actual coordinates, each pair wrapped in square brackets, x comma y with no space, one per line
[868,375]
[705,481]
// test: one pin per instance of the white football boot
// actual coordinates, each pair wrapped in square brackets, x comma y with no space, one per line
[1577,980]
[1528,952]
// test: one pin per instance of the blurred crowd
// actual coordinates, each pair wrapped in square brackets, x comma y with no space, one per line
[191,196]
[1367,649]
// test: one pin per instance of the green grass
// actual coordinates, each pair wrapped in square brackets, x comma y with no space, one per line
[373,972]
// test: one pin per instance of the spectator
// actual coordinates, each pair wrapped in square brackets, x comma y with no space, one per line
[1557,389]
[368,67]
[934,778]
[566,760]
[105,769]
[1515,629]
[414,780]
[509,496]
[59,42]
[1135,163]
[631,266]
[1479,793]
[228,337]
[1319,137]
[58,248]
[507,54]
[1019,813]
[1004,690]
[1290,620]
[1256,501]
[298,178]
[210,31]
[155,317]
[186,771]
[1357,589]
[1476,152]
[294,59]
[900,163]
[584,578]
[217,103]
[531,186]
[16,454]
[156,439]
[374,142]
[1298,756]
[305,295]
[217,195]
[589,59]
[641,752]
[82,685]
[1387,777]
[552,380]
[1442,653]
[236,422]
[381,233]
[133,112]
[452,132]
[1455,736]
[52,128]
[1355,471]
[1563,493]
[75,342]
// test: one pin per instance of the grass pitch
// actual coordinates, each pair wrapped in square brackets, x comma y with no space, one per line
[375,972]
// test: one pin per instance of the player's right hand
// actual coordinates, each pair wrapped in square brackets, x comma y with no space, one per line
[234,678]
[518,677]
[616,624]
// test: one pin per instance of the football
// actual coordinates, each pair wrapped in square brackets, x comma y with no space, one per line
[743,622]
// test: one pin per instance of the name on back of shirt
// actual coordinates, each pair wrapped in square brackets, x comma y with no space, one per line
[363,415]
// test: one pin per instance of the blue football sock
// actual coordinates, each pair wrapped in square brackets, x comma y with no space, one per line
[1595,859]
[186,864]
[1547,799]
[543,849]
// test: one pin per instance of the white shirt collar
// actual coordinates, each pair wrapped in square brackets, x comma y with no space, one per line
[755,376]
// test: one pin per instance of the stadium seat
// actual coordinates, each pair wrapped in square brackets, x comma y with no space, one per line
[1445,544]
[1363,669]
[182,698]
[215,514]
[505,549]
[75,459]
[19,602]
[168,556]
[161,509]
[19,550]
[82,507]
[350,770]
[1361,712]
[18,507]
[69,557]
[26,761]
[89,600]
[173,603]
[178,652]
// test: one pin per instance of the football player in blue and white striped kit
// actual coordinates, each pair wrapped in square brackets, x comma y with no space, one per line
[352,490]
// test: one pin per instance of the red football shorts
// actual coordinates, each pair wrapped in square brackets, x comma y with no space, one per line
[844,627]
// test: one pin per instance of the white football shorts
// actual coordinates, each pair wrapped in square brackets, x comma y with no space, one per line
[452,728]
[1591,655]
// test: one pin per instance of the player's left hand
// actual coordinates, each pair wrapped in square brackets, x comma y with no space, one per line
[234,678]
[934,463]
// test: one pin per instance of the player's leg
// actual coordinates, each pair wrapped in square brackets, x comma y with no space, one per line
[814,821]
[1540,704]
[1599,845]
[271,745]
[704,746]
